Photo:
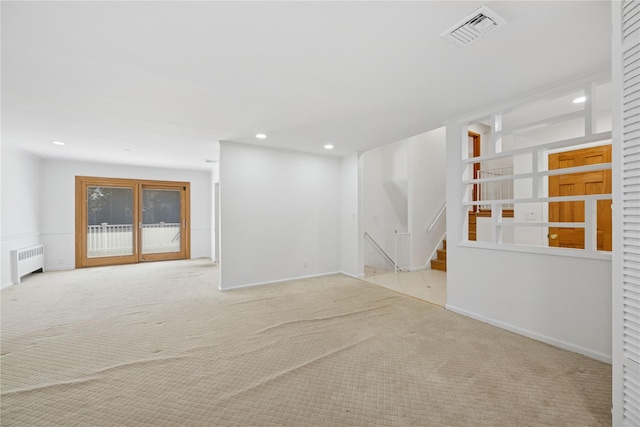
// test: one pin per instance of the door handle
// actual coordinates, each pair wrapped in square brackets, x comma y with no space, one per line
[553,236]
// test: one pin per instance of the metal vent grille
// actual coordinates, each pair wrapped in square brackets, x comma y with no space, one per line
[475,26]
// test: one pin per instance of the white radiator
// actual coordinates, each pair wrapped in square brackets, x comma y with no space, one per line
[25,261]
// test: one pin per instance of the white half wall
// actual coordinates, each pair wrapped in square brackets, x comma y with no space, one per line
[57,205]
[21,178]
[427,194]
[279,215]
[561,300]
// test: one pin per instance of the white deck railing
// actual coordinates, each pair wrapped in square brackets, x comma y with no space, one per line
[117,239]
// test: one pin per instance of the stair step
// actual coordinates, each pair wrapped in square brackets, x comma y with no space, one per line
[442,254]
[444,244]
[437,264]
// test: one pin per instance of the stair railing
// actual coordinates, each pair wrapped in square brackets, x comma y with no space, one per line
[433,224]
[382,252]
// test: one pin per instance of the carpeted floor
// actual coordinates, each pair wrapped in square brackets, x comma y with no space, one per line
[157,344]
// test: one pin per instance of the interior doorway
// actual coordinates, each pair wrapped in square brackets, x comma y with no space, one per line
[124,221]
[584,183]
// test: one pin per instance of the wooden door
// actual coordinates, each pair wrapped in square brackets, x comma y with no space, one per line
[124,221]
[585,183]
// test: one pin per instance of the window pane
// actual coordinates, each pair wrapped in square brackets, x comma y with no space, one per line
[110,221]
[160,221]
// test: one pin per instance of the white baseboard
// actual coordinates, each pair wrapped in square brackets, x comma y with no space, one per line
[7,285]
[533,335]
[273,282]
[355,276]
[59,267]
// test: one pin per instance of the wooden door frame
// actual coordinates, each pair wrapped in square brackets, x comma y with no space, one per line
[184,214]
[82,182]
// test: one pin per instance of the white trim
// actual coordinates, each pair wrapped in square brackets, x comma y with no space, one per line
[19,236]
[538,337]
[555,146]
[551,172]
[540,199]
[58,233]
[542,250]
[349,274]
[63,267]
[273,282]
[543,224]
[617,374]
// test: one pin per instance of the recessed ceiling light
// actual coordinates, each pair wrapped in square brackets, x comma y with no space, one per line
[328,146]
[261,136]
[580,100]
[210,161]
[58,143]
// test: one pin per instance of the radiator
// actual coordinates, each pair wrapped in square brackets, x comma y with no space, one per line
[25,261]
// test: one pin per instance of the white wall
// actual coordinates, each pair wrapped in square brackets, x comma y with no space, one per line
[57,206]
[427,190]
[21,178]
[403,190]
[279,215]
[349,216]
[561,300]
[384,199]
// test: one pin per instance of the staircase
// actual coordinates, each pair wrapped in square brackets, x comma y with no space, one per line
[440,263]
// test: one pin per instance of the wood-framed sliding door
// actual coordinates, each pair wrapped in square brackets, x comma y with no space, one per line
[124,221]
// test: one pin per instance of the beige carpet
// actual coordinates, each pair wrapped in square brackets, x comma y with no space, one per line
[157,344]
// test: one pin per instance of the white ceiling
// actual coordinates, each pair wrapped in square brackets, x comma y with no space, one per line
[157,83]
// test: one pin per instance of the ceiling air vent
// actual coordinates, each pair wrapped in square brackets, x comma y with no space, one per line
[475,26]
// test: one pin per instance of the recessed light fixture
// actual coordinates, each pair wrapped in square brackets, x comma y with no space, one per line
[58,143]
[580,100]
[210,161]
[328,146]
[261,136]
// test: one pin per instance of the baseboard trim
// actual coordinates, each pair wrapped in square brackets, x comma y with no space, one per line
[273,282]
[533,335]
[355,276]
[7,285]
[59,268]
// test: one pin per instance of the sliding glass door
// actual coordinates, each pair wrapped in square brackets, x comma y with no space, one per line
[121,221]
[162,222]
